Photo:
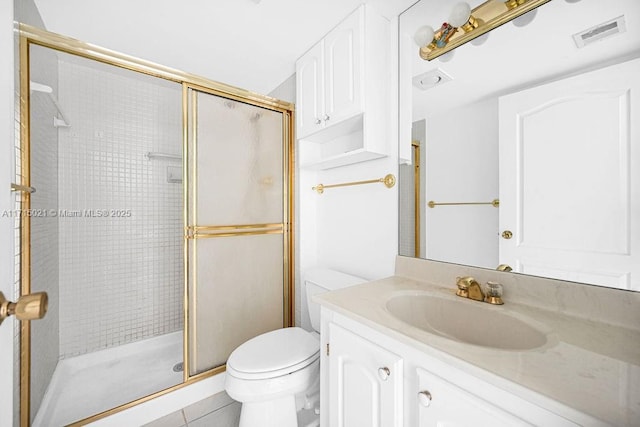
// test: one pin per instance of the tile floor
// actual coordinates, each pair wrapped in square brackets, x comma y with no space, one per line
[218,410]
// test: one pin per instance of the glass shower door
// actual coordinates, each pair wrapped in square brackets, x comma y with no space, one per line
[237,234]
[104,236]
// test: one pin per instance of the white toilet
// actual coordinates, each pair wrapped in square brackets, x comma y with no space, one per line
[276,375]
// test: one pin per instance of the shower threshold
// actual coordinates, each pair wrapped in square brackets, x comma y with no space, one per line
[86,385]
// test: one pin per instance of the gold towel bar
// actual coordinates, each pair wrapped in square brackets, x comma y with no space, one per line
[24,188]
[389,181]
[495,203]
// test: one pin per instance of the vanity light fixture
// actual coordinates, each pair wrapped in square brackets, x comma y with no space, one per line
[465,24]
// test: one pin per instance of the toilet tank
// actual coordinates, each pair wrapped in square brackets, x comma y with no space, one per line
[319,280]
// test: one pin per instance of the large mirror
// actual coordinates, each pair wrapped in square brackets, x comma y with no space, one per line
[522,147]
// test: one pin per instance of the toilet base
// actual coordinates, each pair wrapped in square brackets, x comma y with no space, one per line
[273,413]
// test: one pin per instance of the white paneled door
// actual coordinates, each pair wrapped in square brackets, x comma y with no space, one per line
[570,178]
[343,68]
[310,90]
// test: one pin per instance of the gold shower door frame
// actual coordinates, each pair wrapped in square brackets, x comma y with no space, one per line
[28,36]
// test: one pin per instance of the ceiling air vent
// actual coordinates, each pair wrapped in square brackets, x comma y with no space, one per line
[600,32]
[431,79]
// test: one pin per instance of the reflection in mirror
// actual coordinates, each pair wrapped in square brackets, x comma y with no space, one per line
[528,147]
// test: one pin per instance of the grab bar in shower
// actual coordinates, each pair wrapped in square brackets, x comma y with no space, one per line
[163,156]
[23,188]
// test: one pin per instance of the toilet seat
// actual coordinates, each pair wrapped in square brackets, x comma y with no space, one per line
[274,354]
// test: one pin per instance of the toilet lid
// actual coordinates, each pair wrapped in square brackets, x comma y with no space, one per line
[275,353]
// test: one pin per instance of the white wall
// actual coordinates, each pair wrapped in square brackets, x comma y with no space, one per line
[355,226]
[6,225]
[286,90]
[462,166]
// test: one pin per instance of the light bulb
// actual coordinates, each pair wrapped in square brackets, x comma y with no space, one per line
[424,35]
[526,19]
[446,57]
[480,39]
[460,14]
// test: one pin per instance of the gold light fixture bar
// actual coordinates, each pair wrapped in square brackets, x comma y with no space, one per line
[489,15]
[495,203]
[388,180]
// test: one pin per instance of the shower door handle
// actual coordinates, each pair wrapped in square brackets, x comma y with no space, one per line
[23,188]
[28,307]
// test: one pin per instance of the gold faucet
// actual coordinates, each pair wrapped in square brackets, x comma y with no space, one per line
[468,287]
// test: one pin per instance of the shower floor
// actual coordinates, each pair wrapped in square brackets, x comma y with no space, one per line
[85,385]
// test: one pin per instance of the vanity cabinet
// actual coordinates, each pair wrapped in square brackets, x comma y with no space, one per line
[342,93]
[365,385]
[329,77]
[442,403]
[416,388]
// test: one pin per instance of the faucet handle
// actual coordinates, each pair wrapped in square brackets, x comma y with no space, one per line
[493,293]
[463,286]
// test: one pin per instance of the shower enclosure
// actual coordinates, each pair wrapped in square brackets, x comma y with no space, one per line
[156,216]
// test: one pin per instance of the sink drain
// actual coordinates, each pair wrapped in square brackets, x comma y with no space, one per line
[178,367]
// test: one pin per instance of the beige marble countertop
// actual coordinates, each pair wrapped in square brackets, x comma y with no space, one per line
[589,366]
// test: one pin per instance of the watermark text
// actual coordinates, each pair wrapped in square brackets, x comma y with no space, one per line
[66,213]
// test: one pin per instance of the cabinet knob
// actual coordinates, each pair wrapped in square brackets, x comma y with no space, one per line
[326,118]
[424,397]
[318,121]
[507,234]
[383,373]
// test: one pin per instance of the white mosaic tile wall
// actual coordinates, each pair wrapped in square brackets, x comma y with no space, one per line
[120,220]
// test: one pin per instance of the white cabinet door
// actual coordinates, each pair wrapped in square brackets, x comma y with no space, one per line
[365,385]
[569,178]
[442,404]
[343,62]
[310,90]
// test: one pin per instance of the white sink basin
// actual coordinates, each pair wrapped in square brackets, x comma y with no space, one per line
[467,321]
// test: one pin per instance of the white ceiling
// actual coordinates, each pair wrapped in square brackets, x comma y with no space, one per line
[252,44]
[516,57]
